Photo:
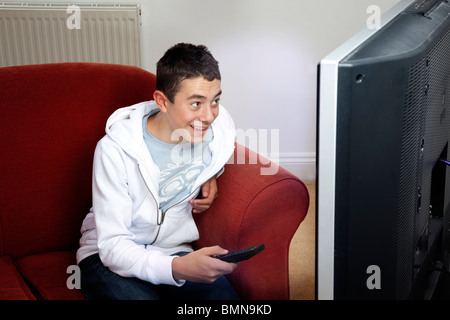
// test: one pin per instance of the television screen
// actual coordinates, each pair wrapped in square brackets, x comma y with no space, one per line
[383,187]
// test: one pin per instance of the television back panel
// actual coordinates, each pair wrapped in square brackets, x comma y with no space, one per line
[392,126]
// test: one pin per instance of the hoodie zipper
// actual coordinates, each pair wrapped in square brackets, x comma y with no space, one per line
[161,214]
[159,223]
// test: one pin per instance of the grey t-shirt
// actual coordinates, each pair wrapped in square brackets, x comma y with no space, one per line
[179,165]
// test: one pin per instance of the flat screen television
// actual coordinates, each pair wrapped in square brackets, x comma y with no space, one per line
[383,187]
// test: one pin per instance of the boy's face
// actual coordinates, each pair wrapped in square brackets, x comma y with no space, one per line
[195,107]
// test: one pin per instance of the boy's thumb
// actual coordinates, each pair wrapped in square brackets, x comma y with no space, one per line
[216,250]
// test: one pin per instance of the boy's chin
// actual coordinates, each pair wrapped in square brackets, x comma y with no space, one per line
[197,139]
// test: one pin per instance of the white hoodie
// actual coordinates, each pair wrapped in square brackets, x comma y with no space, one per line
[122,226]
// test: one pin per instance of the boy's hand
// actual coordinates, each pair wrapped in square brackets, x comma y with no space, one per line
[209,194]
[200,266]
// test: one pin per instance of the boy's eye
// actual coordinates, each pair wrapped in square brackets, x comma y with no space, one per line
[216,101]
[196,104]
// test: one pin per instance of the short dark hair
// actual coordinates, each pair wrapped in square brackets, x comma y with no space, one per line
[184,61]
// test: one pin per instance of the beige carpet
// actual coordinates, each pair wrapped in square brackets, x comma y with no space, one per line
[302,253]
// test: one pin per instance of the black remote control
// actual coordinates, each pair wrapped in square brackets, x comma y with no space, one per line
[241,255]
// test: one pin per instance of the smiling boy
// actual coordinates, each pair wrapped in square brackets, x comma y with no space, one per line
[148,170]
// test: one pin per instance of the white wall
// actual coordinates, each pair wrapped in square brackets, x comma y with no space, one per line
[268,52]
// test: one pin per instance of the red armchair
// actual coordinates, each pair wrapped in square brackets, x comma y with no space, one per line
[52,116]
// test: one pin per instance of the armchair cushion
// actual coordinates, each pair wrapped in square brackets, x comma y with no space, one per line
[12,287]
[47,275]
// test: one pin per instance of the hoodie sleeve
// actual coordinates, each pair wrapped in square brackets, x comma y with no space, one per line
[112,206]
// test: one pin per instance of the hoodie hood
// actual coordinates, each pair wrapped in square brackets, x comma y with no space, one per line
[124,126]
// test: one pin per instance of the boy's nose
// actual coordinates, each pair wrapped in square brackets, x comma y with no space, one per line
[206,115]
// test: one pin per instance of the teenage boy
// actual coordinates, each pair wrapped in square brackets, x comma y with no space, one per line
[148,170]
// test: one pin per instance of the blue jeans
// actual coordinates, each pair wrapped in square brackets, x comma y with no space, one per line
[98,282]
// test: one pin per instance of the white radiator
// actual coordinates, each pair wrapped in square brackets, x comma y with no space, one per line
[48,33]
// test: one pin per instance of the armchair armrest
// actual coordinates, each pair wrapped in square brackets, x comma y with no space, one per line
[254,209]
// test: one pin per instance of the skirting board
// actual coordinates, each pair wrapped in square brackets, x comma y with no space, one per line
[303,165]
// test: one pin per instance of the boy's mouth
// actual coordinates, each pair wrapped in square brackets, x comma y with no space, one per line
[199,130]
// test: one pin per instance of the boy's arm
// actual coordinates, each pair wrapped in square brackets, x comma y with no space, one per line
[113,216]
[200,266]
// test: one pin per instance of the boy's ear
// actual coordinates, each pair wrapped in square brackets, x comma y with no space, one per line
[161,100]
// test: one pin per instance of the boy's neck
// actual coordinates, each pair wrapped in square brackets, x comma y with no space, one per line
[159,128]
[156,128]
